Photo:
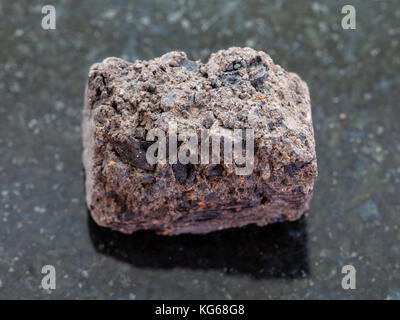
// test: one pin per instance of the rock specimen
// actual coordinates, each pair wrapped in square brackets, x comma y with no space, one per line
[238,88]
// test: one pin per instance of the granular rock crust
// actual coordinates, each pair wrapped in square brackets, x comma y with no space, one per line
[236,88]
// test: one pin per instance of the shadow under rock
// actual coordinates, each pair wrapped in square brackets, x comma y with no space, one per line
[274,251]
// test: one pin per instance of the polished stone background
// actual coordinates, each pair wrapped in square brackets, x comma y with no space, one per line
[354,217]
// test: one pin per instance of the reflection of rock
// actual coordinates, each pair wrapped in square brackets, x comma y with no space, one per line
[275,251]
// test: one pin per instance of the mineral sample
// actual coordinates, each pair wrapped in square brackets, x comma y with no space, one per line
[237,89]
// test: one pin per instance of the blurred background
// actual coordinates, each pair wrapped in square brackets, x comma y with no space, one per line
[353,76]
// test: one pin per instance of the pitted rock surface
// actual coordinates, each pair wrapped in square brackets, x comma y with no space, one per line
[237,88]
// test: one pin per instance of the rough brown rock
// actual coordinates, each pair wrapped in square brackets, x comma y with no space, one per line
[236,88]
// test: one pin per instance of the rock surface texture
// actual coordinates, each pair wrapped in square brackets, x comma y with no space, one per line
[236,88]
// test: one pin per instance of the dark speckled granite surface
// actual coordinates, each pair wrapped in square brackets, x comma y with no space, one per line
[354,217]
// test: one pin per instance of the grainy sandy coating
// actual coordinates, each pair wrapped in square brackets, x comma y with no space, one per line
[236,88]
